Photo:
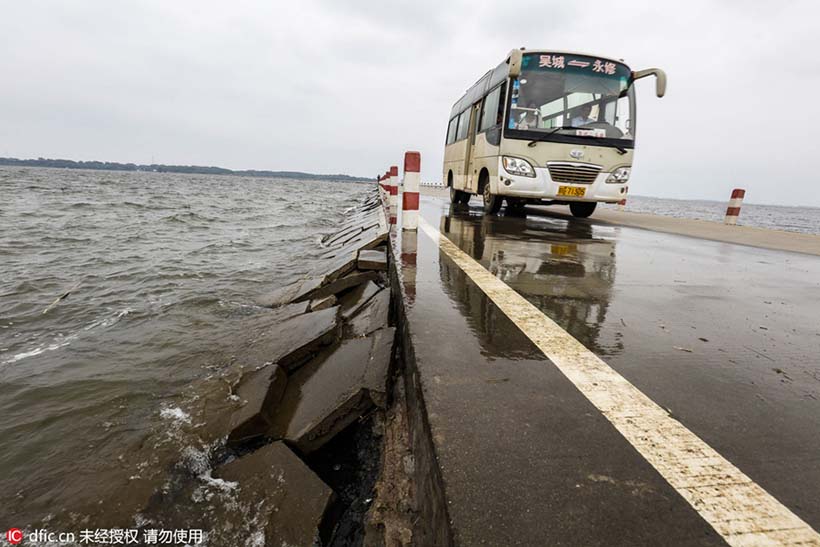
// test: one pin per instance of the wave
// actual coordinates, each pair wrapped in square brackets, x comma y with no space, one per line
[41,349]
[63,341]
[188,218]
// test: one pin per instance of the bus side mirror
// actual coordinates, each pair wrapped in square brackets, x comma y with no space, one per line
[660,79]
[515,63]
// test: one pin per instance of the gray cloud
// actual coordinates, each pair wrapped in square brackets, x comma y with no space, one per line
[330,86]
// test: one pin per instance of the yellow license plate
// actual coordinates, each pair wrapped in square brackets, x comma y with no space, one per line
[562,250]
[572,191]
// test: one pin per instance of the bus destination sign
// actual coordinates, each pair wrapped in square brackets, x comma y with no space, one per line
[560,62]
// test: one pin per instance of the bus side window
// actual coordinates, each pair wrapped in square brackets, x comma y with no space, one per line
[499,118]
[451,131]
[463,124]
[489,110]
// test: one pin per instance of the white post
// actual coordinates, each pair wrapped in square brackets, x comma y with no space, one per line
[385,194]
[733,210]
[410,191]
[393,187]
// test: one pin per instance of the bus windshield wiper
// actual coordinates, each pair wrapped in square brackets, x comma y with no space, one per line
[621,150]
[548,133]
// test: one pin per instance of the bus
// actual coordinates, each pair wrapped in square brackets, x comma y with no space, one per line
[546,127]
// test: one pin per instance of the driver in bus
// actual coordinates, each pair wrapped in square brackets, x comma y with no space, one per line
[582,116]
[529,118]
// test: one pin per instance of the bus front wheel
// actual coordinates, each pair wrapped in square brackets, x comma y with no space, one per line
[582,209]
[457,196]
[492,202]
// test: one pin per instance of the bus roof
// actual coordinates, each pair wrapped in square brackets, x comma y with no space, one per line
[499,74]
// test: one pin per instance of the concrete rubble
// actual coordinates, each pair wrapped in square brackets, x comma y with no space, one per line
[376,378]
[260,392]
[335,287]
[323,303]
[372,260]
[287,497]
[328,394]
[371,317]
[351,303]
[297,291]
[291,342]
[320,367]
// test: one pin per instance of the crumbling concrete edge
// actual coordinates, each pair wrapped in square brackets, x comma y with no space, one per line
[433,525]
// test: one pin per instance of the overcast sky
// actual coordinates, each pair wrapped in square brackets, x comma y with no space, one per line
[346,87]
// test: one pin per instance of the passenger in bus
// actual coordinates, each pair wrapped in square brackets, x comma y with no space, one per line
[581,117]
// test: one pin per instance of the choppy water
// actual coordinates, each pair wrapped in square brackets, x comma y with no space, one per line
[776,217]
[167,267]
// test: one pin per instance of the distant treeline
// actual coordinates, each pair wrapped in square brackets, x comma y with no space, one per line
[159,168]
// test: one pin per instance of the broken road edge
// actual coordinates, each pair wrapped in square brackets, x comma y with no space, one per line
[334,380]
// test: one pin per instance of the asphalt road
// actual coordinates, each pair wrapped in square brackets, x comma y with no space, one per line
[724,337]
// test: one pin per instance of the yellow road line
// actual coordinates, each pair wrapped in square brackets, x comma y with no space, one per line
[742,512]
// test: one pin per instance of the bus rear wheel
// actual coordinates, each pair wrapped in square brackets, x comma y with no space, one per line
[582,209]
[492,202]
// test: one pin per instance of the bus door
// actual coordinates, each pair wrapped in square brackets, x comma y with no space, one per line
[469,156]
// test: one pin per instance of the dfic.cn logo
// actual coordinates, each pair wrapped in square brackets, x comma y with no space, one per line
[15,536]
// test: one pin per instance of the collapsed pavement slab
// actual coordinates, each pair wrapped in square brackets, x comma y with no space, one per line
[292,342]
[372,316]
[259,321]
[353,230]
[293,292]
[352,301]
[323,303]
[282,493]
[333,390]
[342,264]
[346,232]
[369,239]
[377,373]
[260,392]
[341,277]
[372,260]
[324,396]
[344,283]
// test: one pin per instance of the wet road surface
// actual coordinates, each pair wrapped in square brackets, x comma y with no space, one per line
[725,338]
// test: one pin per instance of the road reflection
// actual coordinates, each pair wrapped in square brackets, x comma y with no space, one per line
[566,268]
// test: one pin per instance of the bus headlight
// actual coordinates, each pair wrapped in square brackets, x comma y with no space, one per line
[619,175]
[517,166]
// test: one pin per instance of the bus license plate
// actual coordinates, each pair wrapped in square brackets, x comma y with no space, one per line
[572,191]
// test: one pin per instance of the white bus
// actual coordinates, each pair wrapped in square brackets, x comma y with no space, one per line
[545,127]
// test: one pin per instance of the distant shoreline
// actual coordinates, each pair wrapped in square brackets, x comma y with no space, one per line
[162,168]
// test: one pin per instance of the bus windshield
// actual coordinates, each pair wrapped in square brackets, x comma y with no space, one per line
[572,95]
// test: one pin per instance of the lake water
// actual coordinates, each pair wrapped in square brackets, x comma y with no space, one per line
[164,269]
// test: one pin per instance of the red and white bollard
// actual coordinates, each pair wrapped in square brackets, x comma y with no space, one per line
[621,204]
[383,186]
[733,210]
[393,188]
[410,192]
[393,184]
[408,263]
